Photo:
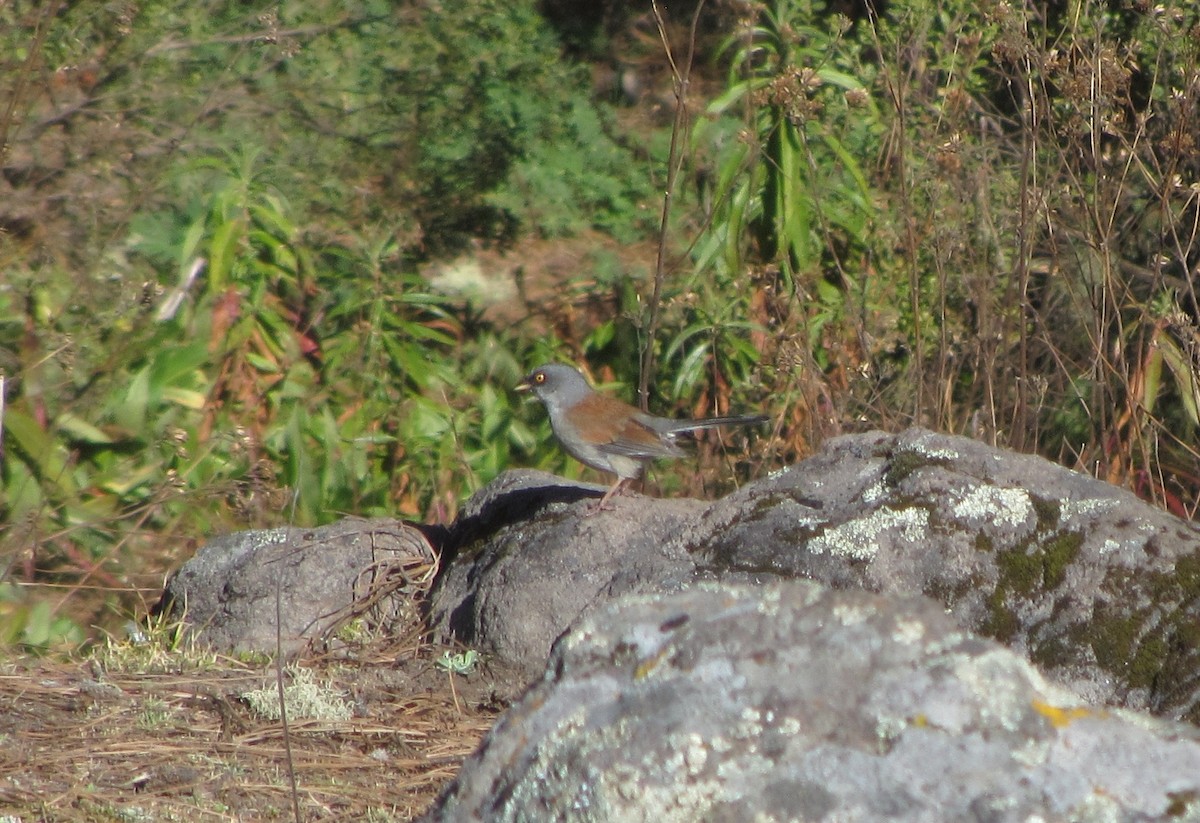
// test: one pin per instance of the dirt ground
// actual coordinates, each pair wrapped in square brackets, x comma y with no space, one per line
[134,734]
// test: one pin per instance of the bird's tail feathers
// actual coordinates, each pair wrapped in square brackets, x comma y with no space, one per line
[714,422]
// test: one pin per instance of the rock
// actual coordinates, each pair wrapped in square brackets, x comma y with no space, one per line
[528,562]
[1098,588]
[790,701]
[322,577]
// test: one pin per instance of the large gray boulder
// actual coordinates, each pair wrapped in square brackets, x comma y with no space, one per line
[791,701]
[527,559]
[1096,587]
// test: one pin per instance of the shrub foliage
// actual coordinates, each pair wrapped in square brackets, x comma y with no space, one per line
[977,217]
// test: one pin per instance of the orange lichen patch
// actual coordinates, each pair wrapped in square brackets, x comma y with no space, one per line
[648,665]
[1061,717]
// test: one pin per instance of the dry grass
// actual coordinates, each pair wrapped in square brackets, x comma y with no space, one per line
[89,740]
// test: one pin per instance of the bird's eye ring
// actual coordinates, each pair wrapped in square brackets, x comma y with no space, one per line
[540,377]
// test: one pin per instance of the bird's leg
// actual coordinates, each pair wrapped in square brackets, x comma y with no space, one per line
[603,504]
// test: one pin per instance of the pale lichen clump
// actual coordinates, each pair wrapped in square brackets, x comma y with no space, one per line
[750,726]
[778,473]
[859,539]
[909,632]
[851,615]
[935,453]
[640,784]
[1071,509]
[303,698]
[1008,507]
[874,493]
[1006,682]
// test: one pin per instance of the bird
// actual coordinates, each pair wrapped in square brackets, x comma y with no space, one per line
[606,433]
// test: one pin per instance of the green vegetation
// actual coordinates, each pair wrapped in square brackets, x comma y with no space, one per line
[219,223]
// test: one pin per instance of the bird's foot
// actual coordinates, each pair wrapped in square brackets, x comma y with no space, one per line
[604,504]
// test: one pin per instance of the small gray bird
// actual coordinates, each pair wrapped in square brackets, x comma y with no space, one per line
[606,433]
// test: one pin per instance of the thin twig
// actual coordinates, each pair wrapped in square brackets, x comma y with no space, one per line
[681,79]
[283,716]
[32,57]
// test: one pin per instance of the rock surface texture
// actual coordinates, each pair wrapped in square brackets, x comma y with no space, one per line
[1097,588]
[790,701]
[322,577]
[528,561]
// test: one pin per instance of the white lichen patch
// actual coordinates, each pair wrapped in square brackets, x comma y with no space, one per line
[908,631]
[302,697]
[1033,753]
[1006,507]
[1099,806]
[671,802]
[778,473]
[1001,685]
[718,672]
[626,781]
[860,538]
[851,615]
[947,643]
[695,754]
[873,493]
[889,728]
[750,725]
[770,602]
[1070,509]
[807,521]
[667,778]
[933,453]
[790,726]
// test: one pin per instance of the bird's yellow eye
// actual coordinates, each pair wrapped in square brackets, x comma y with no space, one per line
[540,377]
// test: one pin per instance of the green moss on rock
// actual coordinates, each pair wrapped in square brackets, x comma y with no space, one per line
[1058,553]
[1002,622]
[1039,567]
[904,462]
[1111,638]
[1048,510]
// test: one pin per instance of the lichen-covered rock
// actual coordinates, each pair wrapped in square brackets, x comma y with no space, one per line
[227,592]
[790,701]
[1098,588]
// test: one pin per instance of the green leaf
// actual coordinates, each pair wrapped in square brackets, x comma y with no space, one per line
[78,429]
[301,466]
[265,365]
[271,214]
[691,371]
[47,458]
[23,495]
[223,249]
[1186,383]
[129,480]
[130,414]
[189,247]
[188,398]
[178,364]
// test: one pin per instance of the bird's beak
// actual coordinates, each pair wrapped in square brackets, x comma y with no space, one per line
[524,385]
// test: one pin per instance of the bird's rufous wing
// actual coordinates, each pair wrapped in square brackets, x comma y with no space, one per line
[618,428]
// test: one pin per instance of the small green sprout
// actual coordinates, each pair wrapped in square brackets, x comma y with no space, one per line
[458,663]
